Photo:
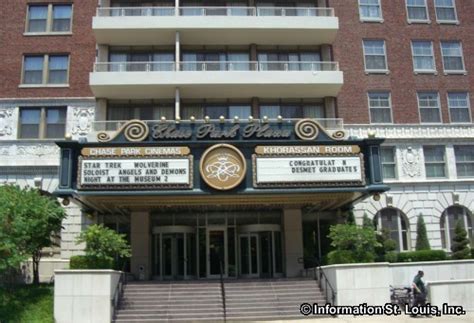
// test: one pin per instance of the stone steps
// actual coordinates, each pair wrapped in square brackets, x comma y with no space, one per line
[274,299]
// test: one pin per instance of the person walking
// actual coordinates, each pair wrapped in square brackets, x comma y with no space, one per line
[419,290]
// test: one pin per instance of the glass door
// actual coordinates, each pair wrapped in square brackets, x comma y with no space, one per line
[266,254]
[216,251]
[249,255]
[168,255]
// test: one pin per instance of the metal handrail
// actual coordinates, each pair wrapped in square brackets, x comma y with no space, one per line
[216,11]
[118,293]
[217,66]
[321,275]
[221,265]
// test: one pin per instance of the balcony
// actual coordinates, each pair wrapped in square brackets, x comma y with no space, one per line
[215,25]
[139,80]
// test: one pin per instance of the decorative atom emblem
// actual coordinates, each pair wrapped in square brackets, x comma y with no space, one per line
[223,169]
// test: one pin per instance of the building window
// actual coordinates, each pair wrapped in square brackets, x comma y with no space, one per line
[292,111]
[123,111]
[50,18]
[459,109]
[375,56]
[394,222]
[452,56]
[370,10]
[423,56]
[42,123]
[446,11]
[417,11]
[464,160]
[380,107]
[429,106]
[435,163]
[45,69]
[448,221]
[389,166]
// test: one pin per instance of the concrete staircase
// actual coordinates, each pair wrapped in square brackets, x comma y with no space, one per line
[274,299]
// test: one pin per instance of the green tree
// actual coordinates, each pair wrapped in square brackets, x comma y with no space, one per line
[367,223]
[104,243]
[350,218]
[460,247]
[28,221]
[422,242]
[361,242]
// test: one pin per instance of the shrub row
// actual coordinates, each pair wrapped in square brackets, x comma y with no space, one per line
[87,262]
[420,255]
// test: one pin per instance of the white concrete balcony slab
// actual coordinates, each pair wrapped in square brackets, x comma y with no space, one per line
[215,25]
[138,80]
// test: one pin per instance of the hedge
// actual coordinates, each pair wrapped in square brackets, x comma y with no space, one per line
[85,262]
[421,255]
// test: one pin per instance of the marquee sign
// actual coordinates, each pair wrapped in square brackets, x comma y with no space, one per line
[145,167]
[283,166]
[139,131]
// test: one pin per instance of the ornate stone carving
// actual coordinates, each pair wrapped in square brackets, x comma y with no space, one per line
[82,122]
[32,150]
[411,162]
[6,122]
[133,130]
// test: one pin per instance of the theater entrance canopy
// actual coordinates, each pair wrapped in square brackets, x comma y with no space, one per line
[219,164]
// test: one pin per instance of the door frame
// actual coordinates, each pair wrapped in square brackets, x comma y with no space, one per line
[222,228]
[249,236]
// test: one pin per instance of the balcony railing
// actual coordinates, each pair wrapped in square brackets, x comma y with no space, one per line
[331,124]
[215,11]
[215,66]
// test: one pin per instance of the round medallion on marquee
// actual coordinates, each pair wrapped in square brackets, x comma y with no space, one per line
[223,167]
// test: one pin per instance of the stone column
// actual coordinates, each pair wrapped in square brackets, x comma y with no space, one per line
[141,245]
[293,241]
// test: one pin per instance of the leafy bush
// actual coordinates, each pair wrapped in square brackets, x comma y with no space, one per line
[422,255]
[460,247]
[422,242]
[104,243]
[391,256]
[87,262]
[358,241]
[340,257]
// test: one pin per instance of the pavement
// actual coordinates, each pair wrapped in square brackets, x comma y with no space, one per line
[469,317]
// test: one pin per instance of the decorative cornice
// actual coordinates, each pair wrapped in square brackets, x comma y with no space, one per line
[29,149]
[448,131]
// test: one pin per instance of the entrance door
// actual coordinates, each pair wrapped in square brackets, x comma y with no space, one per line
[266,254]
[216,251]
[249,255]
[173,256]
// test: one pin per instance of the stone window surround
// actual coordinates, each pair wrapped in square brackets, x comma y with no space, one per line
[49,20]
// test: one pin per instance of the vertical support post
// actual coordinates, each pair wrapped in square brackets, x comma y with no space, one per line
[140,241]
[176,7]
[177,53]
[177,103]
[293,228]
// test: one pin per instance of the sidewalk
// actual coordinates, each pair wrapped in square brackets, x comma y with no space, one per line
[469,317]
